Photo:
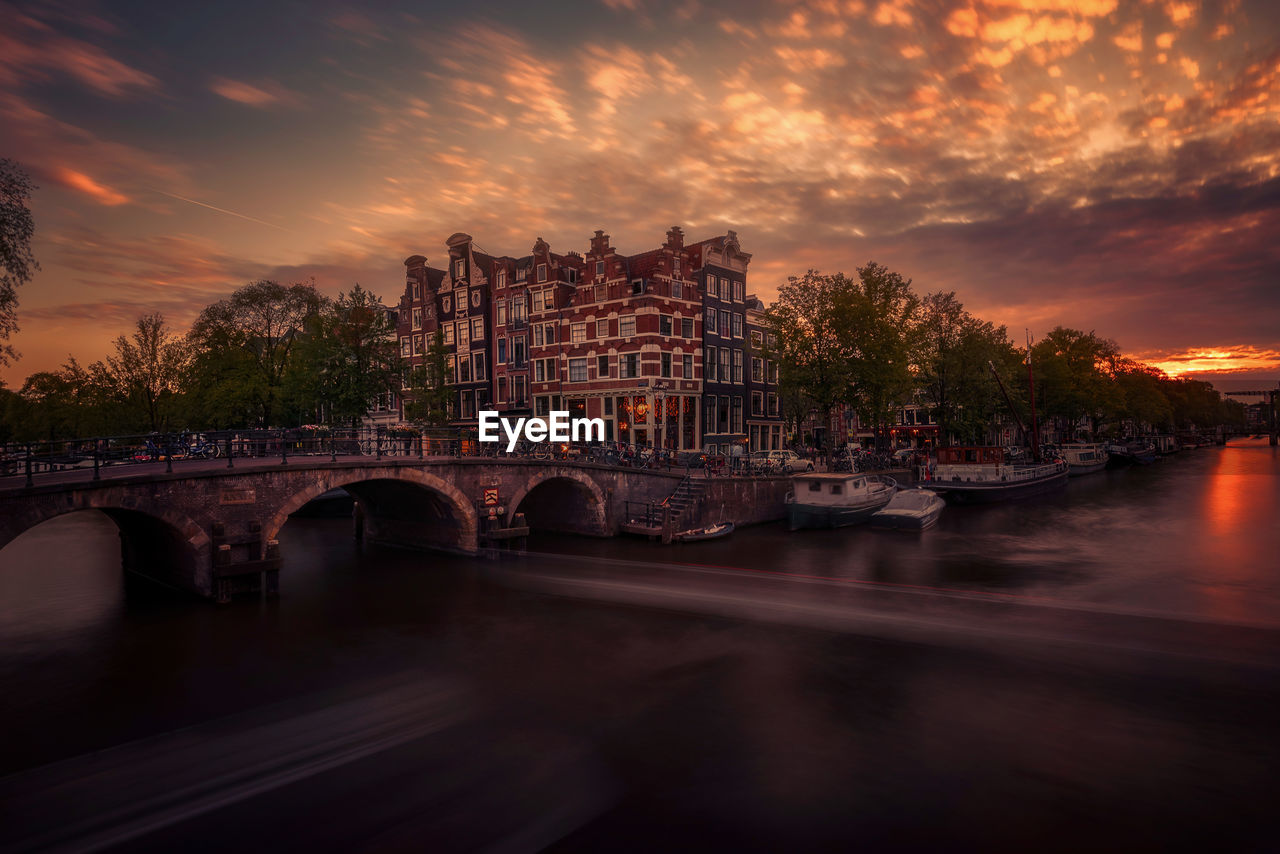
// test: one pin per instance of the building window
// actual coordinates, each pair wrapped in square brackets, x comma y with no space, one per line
[737,415]
[464,369]
[629,366]
[502,351]
[737,326]
[602,293]
[737,366]
[725,356]
[709,324]
[572,275]
[448,333]
[709,421]
[722,424]
[772,368]
[542,405]
[502,390]
[459,268]
[500,313]
[404,346]
[517,391]
[502,278]
[675,266]
[637,287]
[757,370]
[519,311]
[550,333]
[757,403]
[725,293]
[664,324]
[773,405]
[462,334]
[599,268]
[542,272]
[757,339]
[602,367]
[709,365]
[537,335]
[724,324]
[711,286]
[666,364]
[417,345]
[519,351]
[577,370]
[417,290]
[677,290]
[578,333]
[687,361]
[539,371]
[602,329]
[686,327]
[739,291]
[627,326]
[451,371]
[417,318]
[477,329]
[478,366]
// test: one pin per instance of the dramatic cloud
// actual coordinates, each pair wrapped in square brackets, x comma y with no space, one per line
[1106,165]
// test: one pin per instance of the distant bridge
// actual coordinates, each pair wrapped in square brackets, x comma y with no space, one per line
[207,528]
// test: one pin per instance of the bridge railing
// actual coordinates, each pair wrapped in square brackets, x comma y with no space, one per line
[191,450]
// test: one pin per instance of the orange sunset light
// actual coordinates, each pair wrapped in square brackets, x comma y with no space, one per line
[1224,360]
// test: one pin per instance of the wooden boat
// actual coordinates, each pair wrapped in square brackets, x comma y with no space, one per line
[979,474]
[711,532]
[910,509]
[1084,459]
[836,500]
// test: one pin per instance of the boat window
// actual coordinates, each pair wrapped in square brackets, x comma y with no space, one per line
[859,483]
[814,486]
[837,488]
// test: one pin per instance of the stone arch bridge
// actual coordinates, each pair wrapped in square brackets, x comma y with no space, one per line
[186,528]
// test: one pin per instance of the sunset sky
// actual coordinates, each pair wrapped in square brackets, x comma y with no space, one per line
[1107,165]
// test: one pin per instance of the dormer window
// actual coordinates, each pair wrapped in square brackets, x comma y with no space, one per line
[459,268]
[542,272]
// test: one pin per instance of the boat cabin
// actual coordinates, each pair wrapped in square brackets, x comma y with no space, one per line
[833,489]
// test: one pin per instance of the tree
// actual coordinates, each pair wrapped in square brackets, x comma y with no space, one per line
[430,397]
[1071,376]
[811,324]
[953,353]
[880,338]
[16,261]
[242,348]
[146,371]
[347,358]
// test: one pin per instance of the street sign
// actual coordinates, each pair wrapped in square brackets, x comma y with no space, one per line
[491,496]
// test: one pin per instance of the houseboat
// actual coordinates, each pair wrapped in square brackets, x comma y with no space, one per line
[836,500]
[978,474]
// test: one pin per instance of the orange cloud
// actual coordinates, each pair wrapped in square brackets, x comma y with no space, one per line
[103,195]
[1225,360]
[245,93]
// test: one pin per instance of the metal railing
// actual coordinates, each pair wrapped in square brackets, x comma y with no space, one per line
[206,450]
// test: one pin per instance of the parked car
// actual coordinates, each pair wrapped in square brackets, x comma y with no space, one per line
[790,461]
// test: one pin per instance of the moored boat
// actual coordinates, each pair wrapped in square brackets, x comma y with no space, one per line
[979,474]
[836,500]
[1084,459]
[910,509]
[710,532]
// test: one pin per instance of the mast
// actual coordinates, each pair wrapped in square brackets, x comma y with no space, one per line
[1016,417]
[1031,384]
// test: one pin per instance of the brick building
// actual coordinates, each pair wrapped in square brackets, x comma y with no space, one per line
[602,335]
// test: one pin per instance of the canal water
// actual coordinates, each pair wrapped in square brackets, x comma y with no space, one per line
[585,722]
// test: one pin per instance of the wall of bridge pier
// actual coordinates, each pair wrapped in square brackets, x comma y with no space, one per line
[211,531]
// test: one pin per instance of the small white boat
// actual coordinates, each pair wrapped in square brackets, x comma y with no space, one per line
[911,509]
[1084,459]
[710,532]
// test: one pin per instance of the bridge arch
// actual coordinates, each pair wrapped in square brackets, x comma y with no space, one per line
[155,540]
[574,502]
[399,501]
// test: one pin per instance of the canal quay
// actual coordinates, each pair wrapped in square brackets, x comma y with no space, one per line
[1097,668]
